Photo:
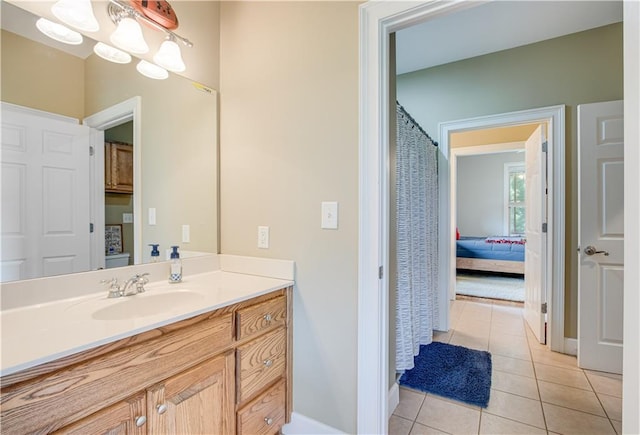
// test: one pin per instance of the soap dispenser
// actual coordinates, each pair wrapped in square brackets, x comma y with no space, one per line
[155,253]
[176,266]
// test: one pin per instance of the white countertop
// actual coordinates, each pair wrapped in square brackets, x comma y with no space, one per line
[35,334]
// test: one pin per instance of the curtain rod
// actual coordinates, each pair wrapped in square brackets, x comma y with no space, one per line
[415,123]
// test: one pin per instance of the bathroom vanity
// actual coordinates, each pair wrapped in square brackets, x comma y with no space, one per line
[209,355]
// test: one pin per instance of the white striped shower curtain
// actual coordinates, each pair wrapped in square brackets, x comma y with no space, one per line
[417,239]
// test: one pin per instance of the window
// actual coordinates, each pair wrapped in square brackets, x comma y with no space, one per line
[514,177]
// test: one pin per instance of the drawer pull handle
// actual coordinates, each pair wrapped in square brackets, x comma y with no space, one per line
[268,420]
[140,421]
[162,408]
[268,363]
[268,317]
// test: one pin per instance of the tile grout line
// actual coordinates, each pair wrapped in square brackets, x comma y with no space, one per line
[599,401]
[535,374]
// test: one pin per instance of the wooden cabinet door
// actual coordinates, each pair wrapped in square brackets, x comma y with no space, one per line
[118,167]
[124,418]
[197,401]
[122,167]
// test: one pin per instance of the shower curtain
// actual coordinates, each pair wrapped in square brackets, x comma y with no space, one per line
[417,239]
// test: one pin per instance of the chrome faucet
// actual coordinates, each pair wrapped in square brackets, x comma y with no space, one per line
[139,280]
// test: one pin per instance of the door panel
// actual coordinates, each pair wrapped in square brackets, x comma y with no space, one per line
[45,195]
[601,222]
[535,247]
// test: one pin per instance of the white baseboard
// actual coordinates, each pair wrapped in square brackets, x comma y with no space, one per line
[571,346]
[306,426]
[393,399]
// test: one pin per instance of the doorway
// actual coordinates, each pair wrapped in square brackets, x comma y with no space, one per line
[553,264]
[119,114]
[489,214]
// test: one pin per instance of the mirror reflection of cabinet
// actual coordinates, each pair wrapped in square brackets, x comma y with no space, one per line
[118,167]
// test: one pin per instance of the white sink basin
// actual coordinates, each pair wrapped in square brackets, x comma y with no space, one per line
[136,306]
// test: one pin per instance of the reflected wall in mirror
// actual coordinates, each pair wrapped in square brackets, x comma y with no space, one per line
[177,146]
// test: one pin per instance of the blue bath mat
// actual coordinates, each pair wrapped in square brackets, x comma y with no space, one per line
[450,371]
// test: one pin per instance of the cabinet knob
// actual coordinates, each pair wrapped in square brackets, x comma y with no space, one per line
[141,420]
[268,420]
[268,363]
[267,317]
[161,408]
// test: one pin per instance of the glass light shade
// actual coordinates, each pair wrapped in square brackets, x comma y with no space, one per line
[111,54]
[58,32]
[169,57]
[128,36]
[76,13]
[152,71]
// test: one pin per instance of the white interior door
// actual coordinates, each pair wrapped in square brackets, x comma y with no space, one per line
[601,235]
[45,194]
[535,247]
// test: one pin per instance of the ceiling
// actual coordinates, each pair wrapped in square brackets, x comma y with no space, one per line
[495,26]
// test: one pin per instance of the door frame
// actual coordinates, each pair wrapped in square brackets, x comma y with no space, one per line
[377,21]
[554,118]
[128,110]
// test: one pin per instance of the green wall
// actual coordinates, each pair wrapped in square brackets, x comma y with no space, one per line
[584,67]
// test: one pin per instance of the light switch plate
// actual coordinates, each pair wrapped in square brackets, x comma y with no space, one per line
[186,233]
[152,216]
[329,215]
[263,237]
[127,218]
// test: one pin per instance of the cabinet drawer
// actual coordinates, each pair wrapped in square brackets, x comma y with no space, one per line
[260,362]
[265,414]
[257,318]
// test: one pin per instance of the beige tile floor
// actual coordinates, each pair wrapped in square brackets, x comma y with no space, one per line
[533,390]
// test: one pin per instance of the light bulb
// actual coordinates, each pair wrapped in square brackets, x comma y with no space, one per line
[76,13]
[152,71]
[128,36]
[58,32]
[169,57]
[111,54]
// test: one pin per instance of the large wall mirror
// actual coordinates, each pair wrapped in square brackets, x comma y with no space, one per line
[170,125]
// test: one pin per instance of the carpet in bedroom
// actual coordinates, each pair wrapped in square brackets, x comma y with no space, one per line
[455,372]
[509,288]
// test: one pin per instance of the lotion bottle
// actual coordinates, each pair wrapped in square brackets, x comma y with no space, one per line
[176,266]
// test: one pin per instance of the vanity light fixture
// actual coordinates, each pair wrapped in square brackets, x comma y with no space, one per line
[169,56]
[111,54]
[76,13]
[151,70]
[58,32]
[128,36]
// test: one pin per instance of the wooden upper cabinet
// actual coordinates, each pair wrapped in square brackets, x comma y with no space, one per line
[118,167]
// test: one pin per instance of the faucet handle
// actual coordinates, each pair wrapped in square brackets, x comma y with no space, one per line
[114,287]
[141,280]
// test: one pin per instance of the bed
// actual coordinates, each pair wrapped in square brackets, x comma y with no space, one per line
[494,254]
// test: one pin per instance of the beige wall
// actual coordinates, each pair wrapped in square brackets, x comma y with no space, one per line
[36,76]
[585,67]
[490,136]
[289,140]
